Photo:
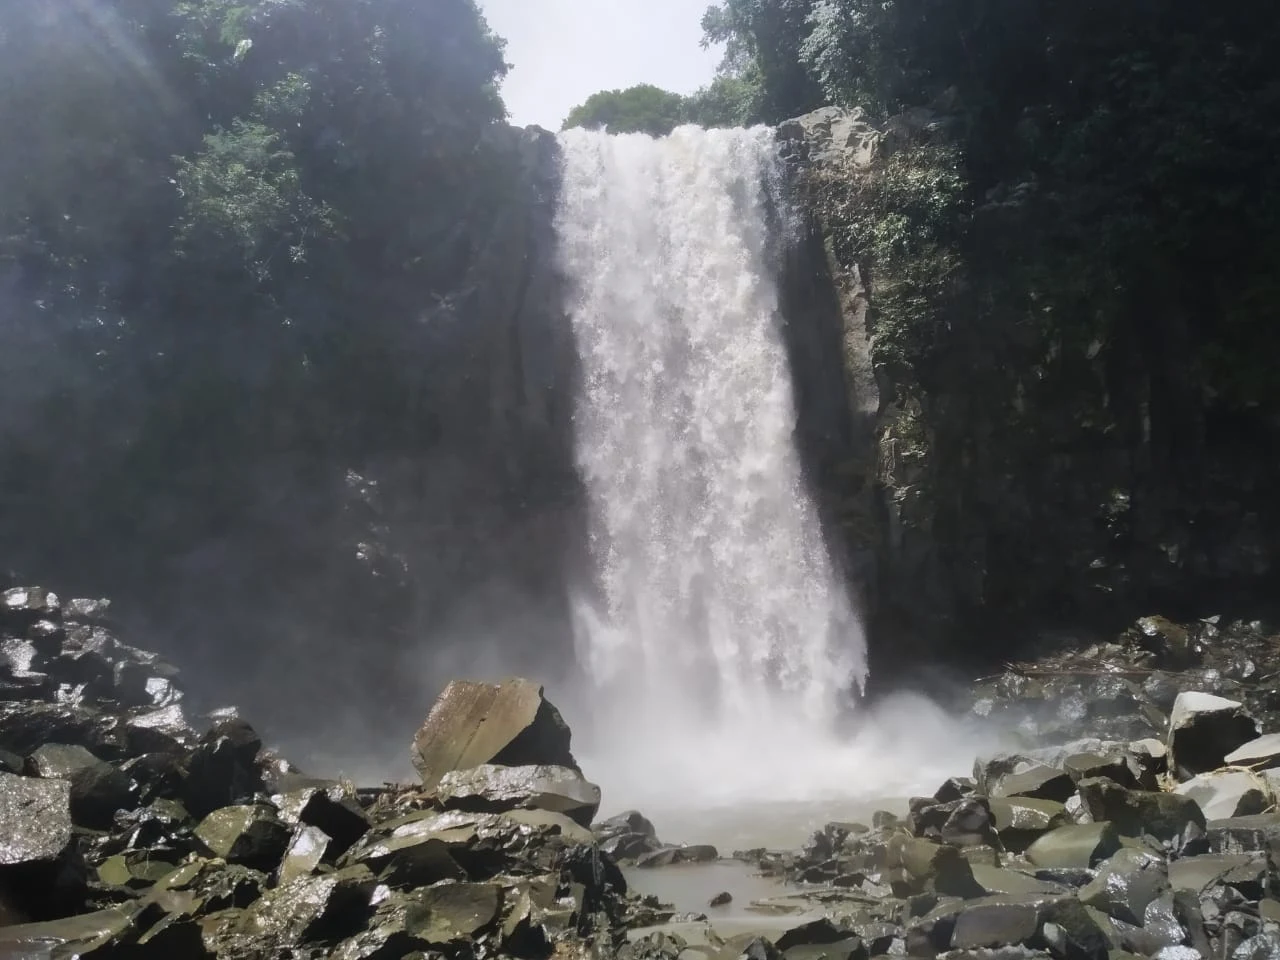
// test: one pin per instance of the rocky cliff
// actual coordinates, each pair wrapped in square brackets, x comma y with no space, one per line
[994,464]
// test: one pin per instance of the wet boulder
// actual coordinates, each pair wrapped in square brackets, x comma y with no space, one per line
[98,790]
[22,606]
[35,819]
[1166,816]
[41,874]
[250,835]
[309,910]
[79,936]
[996,922]
[1126,884]
[1245,834]
[1019,821]
[508,724]
[1223,794]
[1260,754]
[26,726]
[626,836]
[931,867]
[222,769]
[1075,846]
[1194,875]
[1203,729]
[494,789]
[685,853]
[327,808]
[306,851]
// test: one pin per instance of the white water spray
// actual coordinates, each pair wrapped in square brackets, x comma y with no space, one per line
[717,614]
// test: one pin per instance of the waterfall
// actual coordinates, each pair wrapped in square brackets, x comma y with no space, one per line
[715,607]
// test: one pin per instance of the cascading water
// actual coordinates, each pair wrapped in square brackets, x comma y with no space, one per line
[717,620]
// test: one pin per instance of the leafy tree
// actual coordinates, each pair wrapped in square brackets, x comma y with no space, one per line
[725,102]
[762,41]
[640,109]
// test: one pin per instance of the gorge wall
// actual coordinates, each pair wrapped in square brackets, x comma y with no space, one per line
[1000,489]
[995,485]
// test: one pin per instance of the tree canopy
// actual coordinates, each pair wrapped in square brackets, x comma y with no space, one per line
[640,109]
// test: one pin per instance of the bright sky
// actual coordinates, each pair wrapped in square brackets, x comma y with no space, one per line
[563,51]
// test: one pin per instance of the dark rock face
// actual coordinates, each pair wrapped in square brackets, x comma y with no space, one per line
[508,724]
[942,490]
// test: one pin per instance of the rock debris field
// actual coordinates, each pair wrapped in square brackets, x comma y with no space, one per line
[1139,821]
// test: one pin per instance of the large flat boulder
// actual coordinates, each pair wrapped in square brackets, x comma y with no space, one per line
[493,789]
[509,723]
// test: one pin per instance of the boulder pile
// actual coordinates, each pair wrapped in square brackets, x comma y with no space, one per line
[1138,820]
[1156,836]
[125,831]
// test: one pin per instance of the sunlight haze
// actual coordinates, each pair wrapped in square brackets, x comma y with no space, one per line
[562,51]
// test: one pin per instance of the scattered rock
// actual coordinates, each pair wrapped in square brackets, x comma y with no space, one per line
[722,899]
[688,853]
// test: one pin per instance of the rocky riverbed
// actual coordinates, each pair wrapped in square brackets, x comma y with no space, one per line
[1137,820]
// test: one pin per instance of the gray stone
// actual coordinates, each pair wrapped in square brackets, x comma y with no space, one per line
[1166,816]
[1126,884]
[98,790]
[996,923]
[1262,753]
[35,819]
[1224,794]
[832,135]
[509,724]
[1197,874]
[306,851]
[493,789]
[1265,946]
[77,936]
[1020,820]
[1203,729]
[22,606]
[933,867]
[1037,782]
[1245,834]
[250,835]
[996,880]
[327,808]
[686,853]
[1075,846]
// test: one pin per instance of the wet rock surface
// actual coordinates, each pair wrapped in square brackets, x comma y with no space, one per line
[508,724]
[1136,818]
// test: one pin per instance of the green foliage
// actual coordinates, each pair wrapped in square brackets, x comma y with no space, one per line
[725,102]
[762,40]
[640,109]
[242,192]
[904,222]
